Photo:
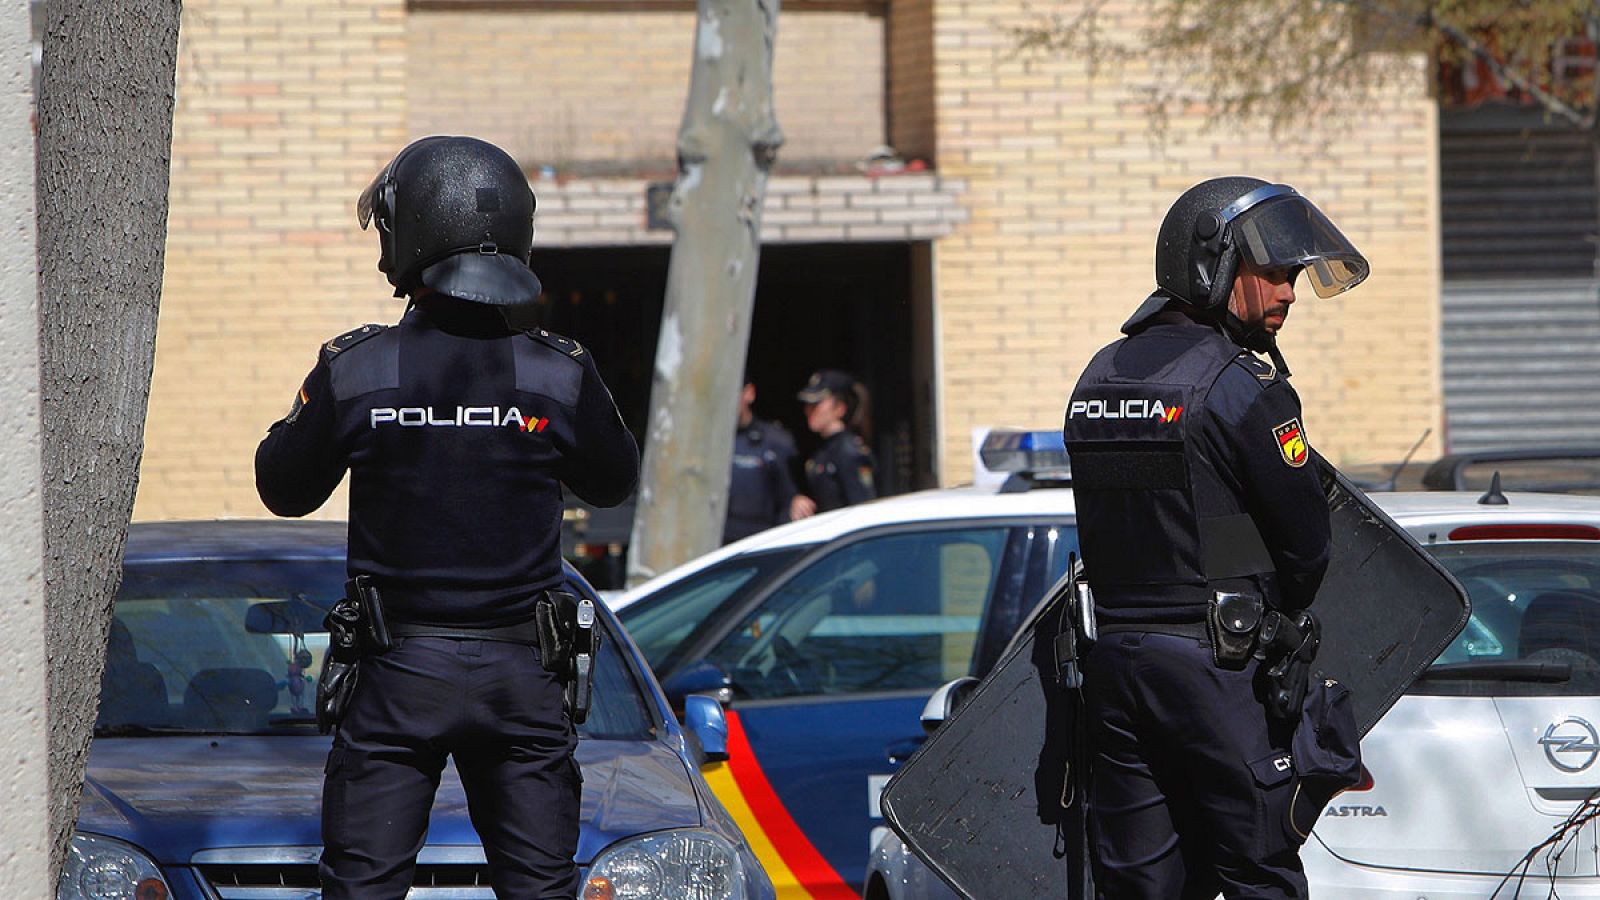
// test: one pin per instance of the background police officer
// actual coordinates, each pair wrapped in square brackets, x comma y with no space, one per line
[761,486]
[1198,505]
[458,433]
[839,472]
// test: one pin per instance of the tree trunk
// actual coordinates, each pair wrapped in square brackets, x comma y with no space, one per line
[105,144]
[726,145]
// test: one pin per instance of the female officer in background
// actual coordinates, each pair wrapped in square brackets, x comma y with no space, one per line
[839,473]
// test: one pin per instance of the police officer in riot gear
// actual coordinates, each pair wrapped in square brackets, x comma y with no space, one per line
[761,486]
[1203,528]
[458,432]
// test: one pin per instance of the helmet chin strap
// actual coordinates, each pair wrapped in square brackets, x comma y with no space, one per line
[1254,338]
[1251,337]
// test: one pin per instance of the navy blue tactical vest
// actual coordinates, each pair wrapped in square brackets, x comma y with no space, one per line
[1158,528]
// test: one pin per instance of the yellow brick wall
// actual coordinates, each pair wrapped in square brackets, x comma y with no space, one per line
[605,89]
[1066,192]
[286,109]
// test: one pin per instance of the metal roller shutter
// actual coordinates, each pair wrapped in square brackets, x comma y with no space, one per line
[1521,363]
[1521,303]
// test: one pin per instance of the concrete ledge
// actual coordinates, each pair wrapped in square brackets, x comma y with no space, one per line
[921,206]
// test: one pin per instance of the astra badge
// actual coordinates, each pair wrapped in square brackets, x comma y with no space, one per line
[1572,745]
[1292,443]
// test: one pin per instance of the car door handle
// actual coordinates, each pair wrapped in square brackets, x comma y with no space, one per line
[899,751]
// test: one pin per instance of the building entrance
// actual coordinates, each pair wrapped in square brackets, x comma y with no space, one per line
[863,308]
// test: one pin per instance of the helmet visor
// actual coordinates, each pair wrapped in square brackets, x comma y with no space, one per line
[1290,233]
[369,198]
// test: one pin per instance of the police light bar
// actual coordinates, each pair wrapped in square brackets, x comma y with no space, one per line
[1031,452]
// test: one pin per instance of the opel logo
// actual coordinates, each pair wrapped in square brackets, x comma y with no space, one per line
[1572,745]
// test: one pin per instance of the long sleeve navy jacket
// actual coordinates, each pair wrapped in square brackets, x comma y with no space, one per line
[458,434]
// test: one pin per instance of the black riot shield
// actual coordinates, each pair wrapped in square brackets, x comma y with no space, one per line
[989,803]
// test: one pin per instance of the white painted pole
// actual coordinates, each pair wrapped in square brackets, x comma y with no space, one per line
[24,742]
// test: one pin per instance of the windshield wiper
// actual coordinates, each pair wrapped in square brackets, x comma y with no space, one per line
[304,719]
[1502,670]
[128,729]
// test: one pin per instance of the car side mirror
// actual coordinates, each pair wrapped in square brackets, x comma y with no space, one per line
[705,722]
[699,677]
[950,696]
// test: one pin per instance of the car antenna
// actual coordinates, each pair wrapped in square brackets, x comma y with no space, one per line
[1494,496]
[1394,477]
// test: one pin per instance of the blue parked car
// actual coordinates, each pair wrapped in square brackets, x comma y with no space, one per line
[204,779]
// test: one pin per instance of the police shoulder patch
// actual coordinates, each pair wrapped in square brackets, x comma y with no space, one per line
[1255,365]
[349,339]
[301,398]
[1292,446]
[556,342]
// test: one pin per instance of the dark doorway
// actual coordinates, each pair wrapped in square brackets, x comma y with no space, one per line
[842,306]
[863,308]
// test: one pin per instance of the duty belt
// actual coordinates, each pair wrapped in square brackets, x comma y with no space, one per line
[1195,630]
[520,633]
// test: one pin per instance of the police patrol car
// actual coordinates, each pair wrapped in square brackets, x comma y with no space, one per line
[827,636]
[204,779]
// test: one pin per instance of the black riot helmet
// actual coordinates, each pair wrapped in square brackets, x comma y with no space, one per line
[454,214]
[1218,223]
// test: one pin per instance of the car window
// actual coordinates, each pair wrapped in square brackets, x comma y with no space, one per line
[236,646]
[886,613]
[1531,602]
[1033,562]
[660,623]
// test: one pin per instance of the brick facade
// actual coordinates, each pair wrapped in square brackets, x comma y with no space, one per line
[285,110]
[603,90]
[1038,227]
[1066,191]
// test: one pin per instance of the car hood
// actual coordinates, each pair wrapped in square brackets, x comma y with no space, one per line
[175,796]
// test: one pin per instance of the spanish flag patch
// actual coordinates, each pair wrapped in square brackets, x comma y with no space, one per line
[1292,443]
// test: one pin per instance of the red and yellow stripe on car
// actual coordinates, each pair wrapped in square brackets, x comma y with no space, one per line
[797,869]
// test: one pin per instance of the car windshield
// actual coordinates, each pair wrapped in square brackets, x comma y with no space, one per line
[1535,625]
[660,624]
[235,647]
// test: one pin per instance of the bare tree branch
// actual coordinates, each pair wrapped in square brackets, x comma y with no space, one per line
[1214,50]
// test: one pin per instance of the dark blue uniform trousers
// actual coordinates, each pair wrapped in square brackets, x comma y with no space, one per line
[495,708]
[1190,786]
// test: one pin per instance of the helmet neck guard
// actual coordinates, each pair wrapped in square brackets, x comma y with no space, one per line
[454,214]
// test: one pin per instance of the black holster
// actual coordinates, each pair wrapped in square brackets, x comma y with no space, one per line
[568,642]
[356,628]
[1288,647]
[1241,626]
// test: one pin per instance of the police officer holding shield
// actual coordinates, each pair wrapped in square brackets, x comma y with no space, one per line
[458,432]
[1205,534]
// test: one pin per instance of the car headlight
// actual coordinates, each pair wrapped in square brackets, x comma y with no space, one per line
[687,864]
[100,868]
